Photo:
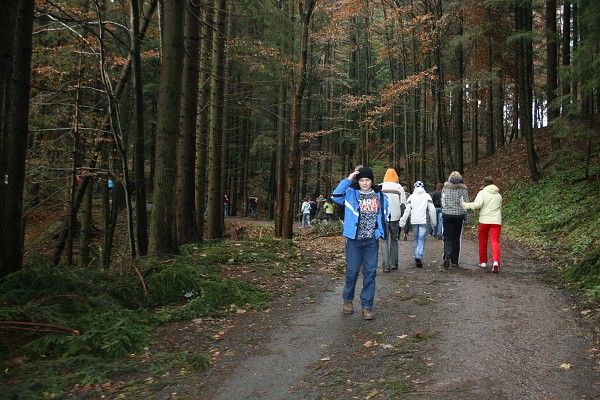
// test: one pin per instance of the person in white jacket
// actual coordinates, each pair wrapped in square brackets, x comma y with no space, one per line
[305,213]
[394,193]
[419,206]
[489,202]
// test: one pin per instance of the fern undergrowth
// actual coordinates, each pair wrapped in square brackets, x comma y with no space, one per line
[62,327]
[561,215]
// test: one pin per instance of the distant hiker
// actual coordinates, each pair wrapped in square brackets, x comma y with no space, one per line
[305,208]
[419,207]
[489,202]
[313,209]
[366,213]
[321,214]
[454,216]
[436,196]
[253,204]
[394,193]
[329,210]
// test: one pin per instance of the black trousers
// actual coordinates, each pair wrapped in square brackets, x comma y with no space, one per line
[452,231]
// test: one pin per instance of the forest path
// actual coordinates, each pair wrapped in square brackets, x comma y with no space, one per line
[460,333]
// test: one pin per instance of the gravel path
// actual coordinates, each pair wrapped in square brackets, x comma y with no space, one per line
[461,333]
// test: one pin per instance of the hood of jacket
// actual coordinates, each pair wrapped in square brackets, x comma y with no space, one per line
[455,184]
[493,189]
[390,176]
[419,190]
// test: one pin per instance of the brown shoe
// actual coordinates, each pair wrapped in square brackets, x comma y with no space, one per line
[368,314]
[348,308]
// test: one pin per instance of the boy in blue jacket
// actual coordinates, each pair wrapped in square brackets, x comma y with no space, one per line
[365,219]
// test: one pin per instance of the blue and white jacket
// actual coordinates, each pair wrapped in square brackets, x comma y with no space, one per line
[348,196]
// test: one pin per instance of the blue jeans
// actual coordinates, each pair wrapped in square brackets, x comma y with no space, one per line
[440,224]
[305,220]
[420,234]
[361,252]
[389,249]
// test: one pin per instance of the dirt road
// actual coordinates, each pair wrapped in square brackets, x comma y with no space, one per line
[461,333]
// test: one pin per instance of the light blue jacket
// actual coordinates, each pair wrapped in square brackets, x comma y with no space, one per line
[345,195]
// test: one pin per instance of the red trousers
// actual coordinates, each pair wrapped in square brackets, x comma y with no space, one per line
[493,231]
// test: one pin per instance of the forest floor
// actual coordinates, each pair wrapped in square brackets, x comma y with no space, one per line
[457,333]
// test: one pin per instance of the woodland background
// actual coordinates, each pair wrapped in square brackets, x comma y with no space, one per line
[181,102]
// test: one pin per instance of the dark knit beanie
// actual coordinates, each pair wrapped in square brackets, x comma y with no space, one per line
[488,180]
[365,172]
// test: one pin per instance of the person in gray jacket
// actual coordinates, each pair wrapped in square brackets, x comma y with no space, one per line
[453,216]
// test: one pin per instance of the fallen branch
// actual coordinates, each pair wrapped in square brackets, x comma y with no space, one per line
[22,325]
[139,274]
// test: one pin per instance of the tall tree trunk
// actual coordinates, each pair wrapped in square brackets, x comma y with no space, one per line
[566,54]
[458,136]
[552,66]
[306,10]
[421,141]
[225,137]
[475,124]
[524,15]
[551,58]
[490,144]
[437,94]
[575,38]
[16,146]
[106,240]
[246,135]
[117,203]
[76,163]
[8,18]
[498,113]
[202,117]
[280,151]
[280,156]
[86,226]
[185,214]
[215,197]
[414,115]
[138,128]
[437,134]
[163,234]
[405,117]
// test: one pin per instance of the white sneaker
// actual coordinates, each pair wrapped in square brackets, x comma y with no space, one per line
[483,265]
[495,267]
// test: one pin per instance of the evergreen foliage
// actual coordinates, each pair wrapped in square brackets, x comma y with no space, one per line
[86,326]
[561,214]
[328,229]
